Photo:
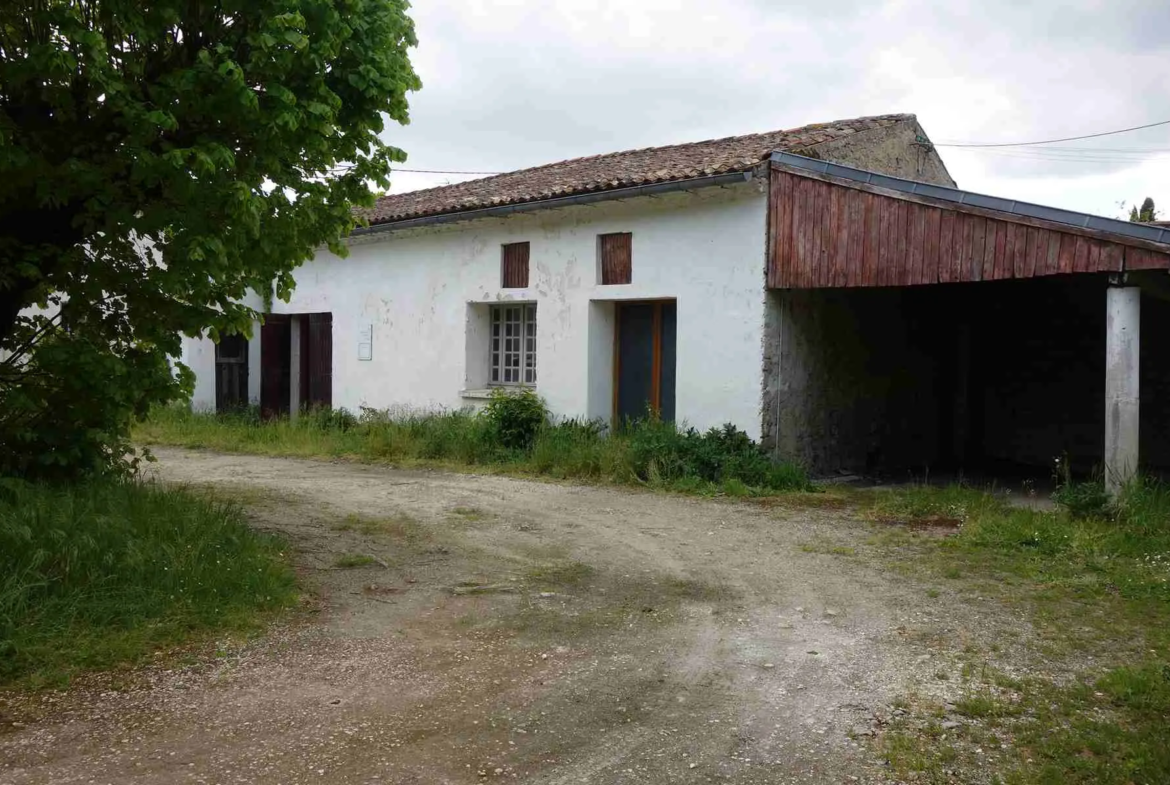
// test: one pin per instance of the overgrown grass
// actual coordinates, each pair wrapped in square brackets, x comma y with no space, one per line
[658,454]
[1099,591]
[99,575]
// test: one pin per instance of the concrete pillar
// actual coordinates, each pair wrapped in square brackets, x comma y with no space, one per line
[255,374]
[1122,347]
[294,373]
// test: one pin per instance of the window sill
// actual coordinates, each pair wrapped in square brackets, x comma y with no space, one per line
[484,393]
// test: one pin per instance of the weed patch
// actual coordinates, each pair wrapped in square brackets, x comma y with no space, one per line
[99,575]
[1108,730]
[398,527]
[1098,584]
[514,434]
[469,514]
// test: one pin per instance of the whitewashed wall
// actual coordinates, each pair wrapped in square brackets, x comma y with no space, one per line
[424,290]
[199,355]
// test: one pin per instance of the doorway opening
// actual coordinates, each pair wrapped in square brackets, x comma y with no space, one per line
[231,373]
[645,336]
[296,359]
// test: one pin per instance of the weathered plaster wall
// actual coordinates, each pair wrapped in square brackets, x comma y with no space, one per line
[419,290]
[893,150]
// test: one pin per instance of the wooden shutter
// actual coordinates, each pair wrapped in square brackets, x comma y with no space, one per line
[274,364]
[616,258]
[515,266]
[320,359]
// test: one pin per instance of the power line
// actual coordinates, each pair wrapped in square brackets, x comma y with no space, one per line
[1053,141]
[1052,152]
[438,171]
[420,171]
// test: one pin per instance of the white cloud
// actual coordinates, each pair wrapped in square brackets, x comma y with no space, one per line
[512,84]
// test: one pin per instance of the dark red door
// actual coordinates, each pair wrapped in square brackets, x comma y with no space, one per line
[275,365]
[320,359]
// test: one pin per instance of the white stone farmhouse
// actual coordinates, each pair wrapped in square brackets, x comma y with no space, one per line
[826,289]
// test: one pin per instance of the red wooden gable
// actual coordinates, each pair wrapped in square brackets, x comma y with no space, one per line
[826,231]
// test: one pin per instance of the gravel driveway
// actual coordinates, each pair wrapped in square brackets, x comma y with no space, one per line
[503,629]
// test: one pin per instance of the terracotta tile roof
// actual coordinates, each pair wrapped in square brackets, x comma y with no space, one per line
[616,170]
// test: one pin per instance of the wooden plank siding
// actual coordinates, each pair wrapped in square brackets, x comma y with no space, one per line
[828,234]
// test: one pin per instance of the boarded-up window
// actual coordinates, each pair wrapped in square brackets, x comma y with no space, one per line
[616,258]
[515,266]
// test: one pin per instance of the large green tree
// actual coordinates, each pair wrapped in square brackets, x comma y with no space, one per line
[158,160]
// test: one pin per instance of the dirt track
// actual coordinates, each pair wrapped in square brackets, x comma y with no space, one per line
[523,631]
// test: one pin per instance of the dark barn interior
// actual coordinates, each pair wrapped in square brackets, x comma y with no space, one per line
[997,378]
[913,328]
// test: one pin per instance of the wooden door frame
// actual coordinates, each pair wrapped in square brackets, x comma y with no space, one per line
[656,350]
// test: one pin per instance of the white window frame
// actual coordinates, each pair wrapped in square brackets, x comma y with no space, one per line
[512,345]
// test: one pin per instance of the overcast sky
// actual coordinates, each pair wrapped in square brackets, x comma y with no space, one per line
[513,84]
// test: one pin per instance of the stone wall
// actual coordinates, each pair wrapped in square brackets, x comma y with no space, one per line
[894,150]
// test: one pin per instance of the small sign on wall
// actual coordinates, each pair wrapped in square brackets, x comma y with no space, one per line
[366,342]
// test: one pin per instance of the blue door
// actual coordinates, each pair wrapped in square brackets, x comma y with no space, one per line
[645,366]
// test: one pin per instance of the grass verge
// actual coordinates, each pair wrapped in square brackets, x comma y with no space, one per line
[100,575]
[1098,590]
[658,454]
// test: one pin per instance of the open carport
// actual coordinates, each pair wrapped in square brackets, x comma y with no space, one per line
[920,329]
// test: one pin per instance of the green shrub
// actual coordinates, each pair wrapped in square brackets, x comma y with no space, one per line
[103,573]
[66,407]
[662,452]
[1083,499]
[515,417]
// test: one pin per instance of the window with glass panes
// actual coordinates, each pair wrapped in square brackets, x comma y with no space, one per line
[514,344]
